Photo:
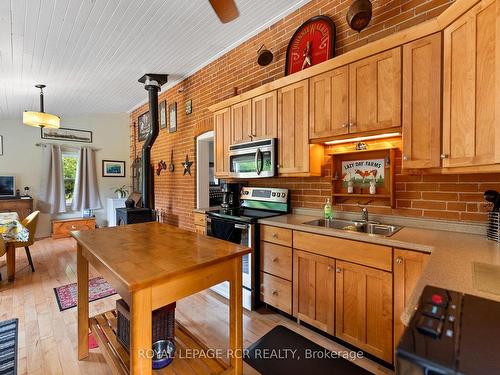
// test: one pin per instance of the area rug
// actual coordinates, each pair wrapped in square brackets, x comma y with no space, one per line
[282,351]
[8,347]
[66,295]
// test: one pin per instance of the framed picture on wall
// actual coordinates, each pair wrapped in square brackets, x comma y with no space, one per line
[66,134]
[113,168]
[173,117]
[163,114]
[143,126]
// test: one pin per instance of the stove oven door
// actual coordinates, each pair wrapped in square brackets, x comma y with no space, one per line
[242,234]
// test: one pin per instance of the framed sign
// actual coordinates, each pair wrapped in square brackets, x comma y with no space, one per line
[143,126]
[311,44]
[362,172]
[189,107]
[113,168]
[66,134]
[163,114]
[173,117]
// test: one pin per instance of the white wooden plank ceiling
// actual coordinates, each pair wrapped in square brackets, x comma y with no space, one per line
[90,53]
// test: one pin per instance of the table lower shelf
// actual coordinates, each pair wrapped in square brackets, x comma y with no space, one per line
[103,327]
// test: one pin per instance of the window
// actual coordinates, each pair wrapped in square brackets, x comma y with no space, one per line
[70,162]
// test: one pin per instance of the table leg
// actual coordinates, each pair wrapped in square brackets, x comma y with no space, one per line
[82,267]
[236,319]
[141,324]
[11,260]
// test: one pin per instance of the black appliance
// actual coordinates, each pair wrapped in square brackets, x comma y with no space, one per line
[231,194]
[239,225]
[451,333]
[152,83]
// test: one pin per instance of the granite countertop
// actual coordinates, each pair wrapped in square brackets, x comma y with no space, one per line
[467,263]
[203,210]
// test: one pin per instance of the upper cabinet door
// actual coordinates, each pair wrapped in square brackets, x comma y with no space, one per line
[241,122]
[293,128]
[222,140]
[329,109]
[422,103]
[265,116]
[375,92]
[470,137]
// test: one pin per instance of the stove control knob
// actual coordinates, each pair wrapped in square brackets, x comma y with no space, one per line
[283,195]
[273,194]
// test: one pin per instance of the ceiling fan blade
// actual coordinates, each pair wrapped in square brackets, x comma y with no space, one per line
[226,10]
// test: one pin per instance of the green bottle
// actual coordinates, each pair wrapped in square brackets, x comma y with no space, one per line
[328,210]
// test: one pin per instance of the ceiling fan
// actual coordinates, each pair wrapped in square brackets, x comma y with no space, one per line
[226,10]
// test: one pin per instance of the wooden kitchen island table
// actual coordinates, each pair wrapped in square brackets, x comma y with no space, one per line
[152,265]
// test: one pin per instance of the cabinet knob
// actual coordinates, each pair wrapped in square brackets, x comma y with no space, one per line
[338,270]
[330,268]
[275,260]
[279,166]
[444,156]
[352,125]
[345,125]
[406,158]
[275,292]
[275,235]
[399,260]
[73,227]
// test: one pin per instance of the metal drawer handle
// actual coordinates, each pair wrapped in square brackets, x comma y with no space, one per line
[275,260]
[399,260]
[338,270]
[275,292]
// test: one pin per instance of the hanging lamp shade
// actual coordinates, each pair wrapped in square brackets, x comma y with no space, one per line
[41,119]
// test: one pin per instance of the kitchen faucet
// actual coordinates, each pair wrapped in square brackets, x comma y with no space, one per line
[364,213]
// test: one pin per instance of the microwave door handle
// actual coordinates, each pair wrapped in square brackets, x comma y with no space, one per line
[258,155]
[240,226]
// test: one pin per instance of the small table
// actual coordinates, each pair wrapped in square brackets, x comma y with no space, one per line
[152,265]
[12,231]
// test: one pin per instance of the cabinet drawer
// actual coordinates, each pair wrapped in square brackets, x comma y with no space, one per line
[61,229]
[276,292]
[367,254]
[277,235]
[199,219]
[276,260]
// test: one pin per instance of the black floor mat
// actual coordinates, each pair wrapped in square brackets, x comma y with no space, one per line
[284,352]
[8,347]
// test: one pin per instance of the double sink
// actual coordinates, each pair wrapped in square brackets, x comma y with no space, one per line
[370,227]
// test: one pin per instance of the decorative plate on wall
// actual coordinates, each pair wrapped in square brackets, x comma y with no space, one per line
[311,44]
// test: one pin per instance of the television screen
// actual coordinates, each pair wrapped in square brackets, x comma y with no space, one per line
[7,186]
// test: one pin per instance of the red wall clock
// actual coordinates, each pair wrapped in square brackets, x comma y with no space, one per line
[311,44]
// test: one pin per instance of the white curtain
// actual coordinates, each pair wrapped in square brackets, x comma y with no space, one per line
[51,199]
[86,193]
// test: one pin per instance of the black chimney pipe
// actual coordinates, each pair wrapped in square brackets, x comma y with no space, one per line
[152,83]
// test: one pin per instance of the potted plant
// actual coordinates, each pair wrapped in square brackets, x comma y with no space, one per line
[121,192]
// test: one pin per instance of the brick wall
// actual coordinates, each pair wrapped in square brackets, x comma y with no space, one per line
[452,197]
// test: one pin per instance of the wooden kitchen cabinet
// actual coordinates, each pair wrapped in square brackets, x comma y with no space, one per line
[364,308]
[408,266]
[241,122]
[375,92]
[314,290]
[471,132]
[422,103]
[295,156]
[265,116]
[329,104]
[276,292]
[222,141]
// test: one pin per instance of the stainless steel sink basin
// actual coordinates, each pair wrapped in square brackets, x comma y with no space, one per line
[370,227]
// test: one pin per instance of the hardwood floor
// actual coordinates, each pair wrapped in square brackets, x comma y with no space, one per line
[47,337]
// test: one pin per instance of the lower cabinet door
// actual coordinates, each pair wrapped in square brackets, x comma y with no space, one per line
[364,308]
[314,290]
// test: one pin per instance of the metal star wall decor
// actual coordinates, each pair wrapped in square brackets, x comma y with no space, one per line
[187,166]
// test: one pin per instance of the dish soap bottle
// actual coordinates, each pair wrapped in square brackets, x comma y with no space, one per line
[328,210]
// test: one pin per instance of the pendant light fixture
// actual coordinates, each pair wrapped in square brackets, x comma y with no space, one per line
[41,119]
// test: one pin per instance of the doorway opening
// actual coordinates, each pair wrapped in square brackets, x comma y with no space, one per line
[208,192]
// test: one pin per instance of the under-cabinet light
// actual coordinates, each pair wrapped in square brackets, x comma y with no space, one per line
[366,138]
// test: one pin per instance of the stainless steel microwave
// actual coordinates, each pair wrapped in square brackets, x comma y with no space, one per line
[253,159]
